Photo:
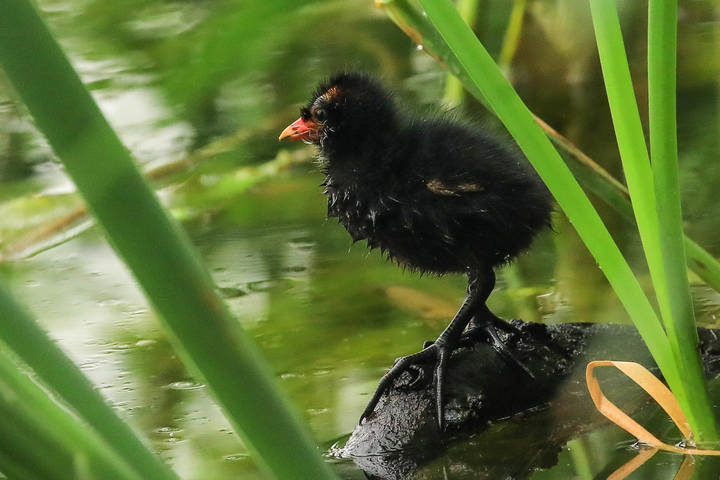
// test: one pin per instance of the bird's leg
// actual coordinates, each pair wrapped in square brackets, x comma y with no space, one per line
[479,288]
[482,317]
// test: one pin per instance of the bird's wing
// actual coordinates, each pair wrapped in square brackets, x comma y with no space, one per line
[452,189]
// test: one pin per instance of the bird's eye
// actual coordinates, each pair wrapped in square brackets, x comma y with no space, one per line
[321,114]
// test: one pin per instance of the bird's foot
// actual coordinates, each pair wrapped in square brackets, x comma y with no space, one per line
[535,331]
[438,352]
[487,332]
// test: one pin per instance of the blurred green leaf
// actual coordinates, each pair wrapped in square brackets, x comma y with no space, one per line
[153,246]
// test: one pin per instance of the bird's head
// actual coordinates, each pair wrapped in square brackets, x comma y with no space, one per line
[344,114]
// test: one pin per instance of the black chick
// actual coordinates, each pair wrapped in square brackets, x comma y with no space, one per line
[434,194]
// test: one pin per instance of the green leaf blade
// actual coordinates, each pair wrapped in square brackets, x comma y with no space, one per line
[158,253]
[666,260]
[682,331]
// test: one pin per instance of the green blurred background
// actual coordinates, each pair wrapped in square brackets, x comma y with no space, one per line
[173,77]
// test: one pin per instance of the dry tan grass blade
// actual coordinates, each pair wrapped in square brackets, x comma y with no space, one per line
[633,464]
[657,390]
[685,472]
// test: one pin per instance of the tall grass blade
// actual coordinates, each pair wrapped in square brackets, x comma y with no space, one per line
[23,447]
[630,139]
[28,340]
[702,263]
[13,468]
[158,253]
[28,454]
[23,404]
[691,391]
[454,91]
[479,66]
[682,331]
[512,34]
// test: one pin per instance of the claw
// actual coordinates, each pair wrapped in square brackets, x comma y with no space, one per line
[439,352]
[440,387]
[419,376]
[507,327]
[385,382]
[500,347]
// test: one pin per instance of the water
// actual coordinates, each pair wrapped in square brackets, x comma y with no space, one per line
[329,316]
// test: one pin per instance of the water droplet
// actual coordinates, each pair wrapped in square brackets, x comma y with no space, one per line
[89,366]
[302,243]
[110,302]
[167,430]
[234,457]
[184,385]
[232,292]
[295,269]
[171,434]
[317,411]
[115,348]
[260,286]
[301,239]
[419,47]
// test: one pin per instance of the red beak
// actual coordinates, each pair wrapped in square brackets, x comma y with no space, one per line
[298,130]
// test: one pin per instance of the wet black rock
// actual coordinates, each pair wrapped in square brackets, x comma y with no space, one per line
[490,402]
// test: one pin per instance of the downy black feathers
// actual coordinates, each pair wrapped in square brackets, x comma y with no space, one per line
[434,194]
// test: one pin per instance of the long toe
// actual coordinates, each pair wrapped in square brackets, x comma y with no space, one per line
[443,355]
[438,353]
[488,334]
